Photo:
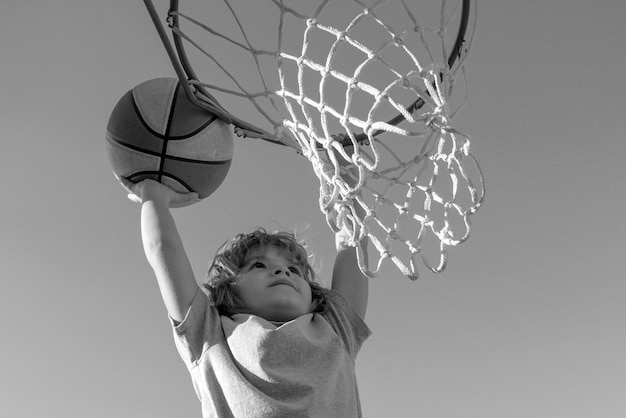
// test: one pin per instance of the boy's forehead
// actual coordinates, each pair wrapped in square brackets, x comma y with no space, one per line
[269,251]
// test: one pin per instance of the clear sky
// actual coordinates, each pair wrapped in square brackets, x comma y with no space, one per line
[528,320]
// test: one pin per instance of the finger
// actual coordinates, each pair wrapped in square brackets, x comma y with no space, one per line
[127,184]
[185,200]
[190,198]
[134,198]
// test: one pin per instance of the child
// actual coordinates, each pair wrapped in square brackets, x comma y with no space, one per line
[260,338]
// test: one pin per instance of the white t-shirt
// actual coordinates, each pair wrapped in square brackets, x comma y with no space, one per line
[244,366]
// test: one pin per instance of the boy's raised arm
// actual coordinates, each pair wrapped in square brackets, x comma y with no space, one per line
[347,277]
[163,246]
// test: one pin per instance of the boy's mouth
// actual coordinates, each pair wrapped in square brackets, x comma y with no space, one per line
[282,281]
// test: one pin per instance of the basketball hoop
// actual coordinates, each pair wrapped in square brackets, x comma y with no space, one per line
[346,83]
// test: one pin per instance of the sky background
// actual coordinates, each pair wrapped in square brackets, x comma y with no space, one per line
[528,320]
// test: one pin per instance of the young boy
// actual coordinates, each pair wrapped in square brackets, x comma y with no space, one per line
[261,338]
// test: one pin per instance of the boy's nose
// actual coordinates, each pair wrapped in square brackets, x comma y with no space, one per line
[282,270]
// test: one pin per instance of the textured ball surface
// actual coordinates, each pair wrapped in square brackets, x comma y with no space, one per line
[155,132]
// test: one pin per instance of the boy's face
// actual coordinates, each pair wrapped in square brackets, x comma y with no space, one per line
[271,285]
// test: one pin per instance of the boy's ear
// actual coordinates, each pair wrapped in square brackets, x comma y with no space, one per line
[222,270]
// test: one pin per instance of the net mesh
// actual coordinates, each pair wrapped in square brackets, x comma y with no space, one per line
[330,85]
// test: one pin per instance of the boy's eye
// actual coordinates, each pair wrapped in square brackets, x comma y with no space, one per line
[295,270]
[257,264]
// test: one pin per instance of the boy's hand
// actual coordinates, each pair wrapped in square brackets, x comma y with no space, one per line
[152,190]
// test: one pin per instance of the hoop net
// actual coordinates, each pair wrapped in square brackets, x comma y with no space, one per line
[331,81]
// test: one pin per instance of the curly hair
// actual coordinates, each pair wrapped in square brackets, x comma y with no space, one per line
[232,256]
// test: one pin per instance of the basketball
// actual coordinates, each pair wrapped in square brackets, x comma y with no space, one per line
[155,132]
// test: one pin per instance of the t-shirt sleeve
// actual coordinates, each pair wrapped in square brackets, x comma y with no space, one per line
[346,322]
[198,331]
